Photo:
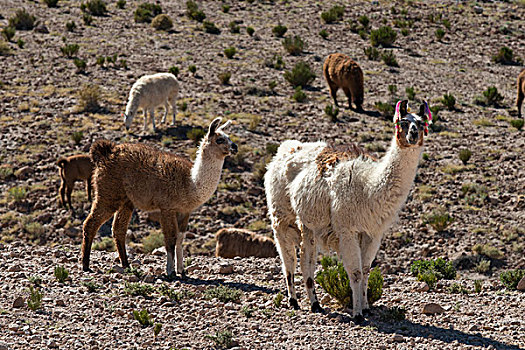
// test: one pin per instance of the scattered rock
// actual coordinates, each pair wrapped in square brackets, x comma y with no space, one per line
[117,269]
[19,302]
[159,251]
[398,338]
[521,284]
[420,287]
[72,232]
[225,268]
[60,302]
[14,268]
[432,308]
[24,172]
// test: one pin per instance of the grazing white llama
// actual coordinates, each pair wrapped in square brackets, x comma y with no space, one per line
[149,92]
[322,198]
[129,176]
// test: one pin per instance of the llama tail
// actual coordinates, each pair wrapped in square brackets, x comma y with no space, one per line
[101,150]
[61,162]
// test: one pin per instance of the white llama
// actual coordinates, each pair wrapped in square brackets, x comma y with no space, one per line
[149,92]
[322,198]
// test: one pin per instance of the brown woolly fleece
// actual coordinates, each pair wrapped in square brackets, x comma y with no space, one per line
[521,91]
[74,168]
[340,71]
[232,242]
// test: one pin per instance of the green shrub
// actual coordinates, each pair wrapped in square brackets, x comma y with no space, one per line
[411,93]
[71,26]
[70,50]
[247,311]
[394,313]
[196,134]
[234,27]
[371,53]
[106,244]
[457,288]
[193,69]
[405,31]
[16,194]
[210,27]
[22,20]
[145,12]
[517,123]
[154,240]
[464,155]
[50,3]
[222,339]
[483,266]
[278,300]
[34,302]
[386,109]
[511,278]
[504,56]
[279,30]
[80,64]
[331,112]
[299,95]
[301,75]
[121,4]
[294,46]
[162,22]
[250,31]
[174,70]
[389,58]
[275,62]
[488,251]
[334,14]
[5,171]
[223,293]
[87,18]
[384,36]
[324,34]
[35,280]
[478,286]
[225,8]
[8,33]
[91,286]
[334,280]
[272,85]
[365,22]
[230,52]
[429,277]
[439,219]
[449,101]
[94,7]
[138,288]
[491,97]
[193,12]
[89,96]
[156,329]
[224,78]
[61,274]
[441,268]
[5,50]
[143,317]
[20,43]
[76,136]
[440,33]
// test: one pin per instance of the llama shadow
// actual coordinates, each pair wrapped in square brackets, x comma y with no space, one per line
[245,287]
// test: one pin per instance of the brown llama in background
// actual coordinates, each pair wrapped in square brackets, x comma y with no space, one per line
[74,168]
[340,71]
[232,242]
[521,91]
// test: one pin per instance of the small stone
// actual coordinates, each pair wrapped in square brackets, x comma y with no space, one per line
[421,287]
[72,232]
[149,278]
[432,308]
[52,344]
[473,328]
[3,346]
[117,269]
[159,251]
[225,268]
[521,284]
[398,338]
[478,9]
[13,327]
[24,172]
[41,28]
[14,268]
[60,302]
[19,302]
[192,268]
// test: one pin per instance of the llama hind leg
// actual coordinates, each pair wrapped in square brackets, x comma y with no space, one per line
[166,106]
[519,100]
[69,190]
[62,191]
[95,219]
[351,255]
[173,103]
[333,92]
[308,250]
[119,228]
[169,225]
[284,234]
[145,113]
[182,222]
[369,248]
[152,116]
[348,94]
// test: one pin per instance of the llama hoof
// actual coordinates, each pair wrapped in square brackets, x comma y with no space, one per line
[171,277]
[294,304]
[86,269]
[359,319]
[367,312]
[317,308]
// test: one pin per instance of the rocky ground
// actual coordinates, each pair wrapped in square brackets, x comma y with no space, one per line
[41,111]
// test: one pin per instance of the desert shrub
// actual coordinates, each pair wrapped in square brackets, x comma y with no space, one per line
[121,4]
[394,313]
[457,288]
[70,50]
[230,52]
[89,96]
[87,18]
[193,12]
[105,244]
[449,101]
[224,78]
[5,171]
[8,33]
[488,251]
[300,75]
[76,136]
[210,27]
[80,64]
[411,93]
[440,33]
[386,109]
[193,69]
[334,14]
[405,31]
[299,95]
[278,300]
[478,286]
[250,31]
[324,34]
[222,339]
[174,70]
[50,3]
[491,97]
[162,22]
[272,85]
[505,55]
[196,134]
[483,266]
[225,8]
[364,21]
[517,123]
[34,301]
[511,278]
[439,219]
[440,267]
[35,280]
[20,43]
[234,27]
[91,286]
[16,194]
[71,26]
[22,20]
[389,58]
[464,155]
[143,317]
[294,46]
[334,280]
[247,311]
[145,12]
[135,289]
[275,62]
[223,294]
[279,30]
[331,112]
[61,274]
[371,53]
[384,36]
[153,241]
[94,7]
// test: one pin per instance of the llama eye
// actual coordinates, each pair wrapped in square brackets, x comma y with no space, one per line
[219,141]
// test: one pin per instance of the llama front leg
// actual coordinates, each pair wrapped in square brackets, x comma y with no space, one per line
[119,229]
[69,190]
[88,188]
[166,106]
[182,222]
[145,113]
[308,250]
[62,191]
[169,225]
[95,219]
[351,255]
[173,103]
[152,116]
[369,247]
[284,234]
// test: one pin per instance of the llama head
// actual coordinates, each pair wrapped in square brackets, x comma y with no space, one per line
[128,118]
[217,142]
[411,127]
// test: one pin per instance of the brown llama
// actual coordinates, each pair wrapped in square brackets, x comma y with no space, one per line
[74,168]
[129,176]
[232,242]
[340,71]
[521,91]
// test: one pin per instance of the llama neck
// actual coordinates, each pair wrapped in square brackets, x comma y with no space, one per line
[395,173]
[206,173]
[132,106]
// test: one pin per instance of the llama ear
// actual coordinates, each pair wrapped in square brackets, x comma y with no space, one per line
[214,125]
[225,125]
[401,110]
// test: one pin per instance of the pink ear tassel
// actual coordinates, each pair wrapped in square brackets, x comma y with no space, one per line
[429,113]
